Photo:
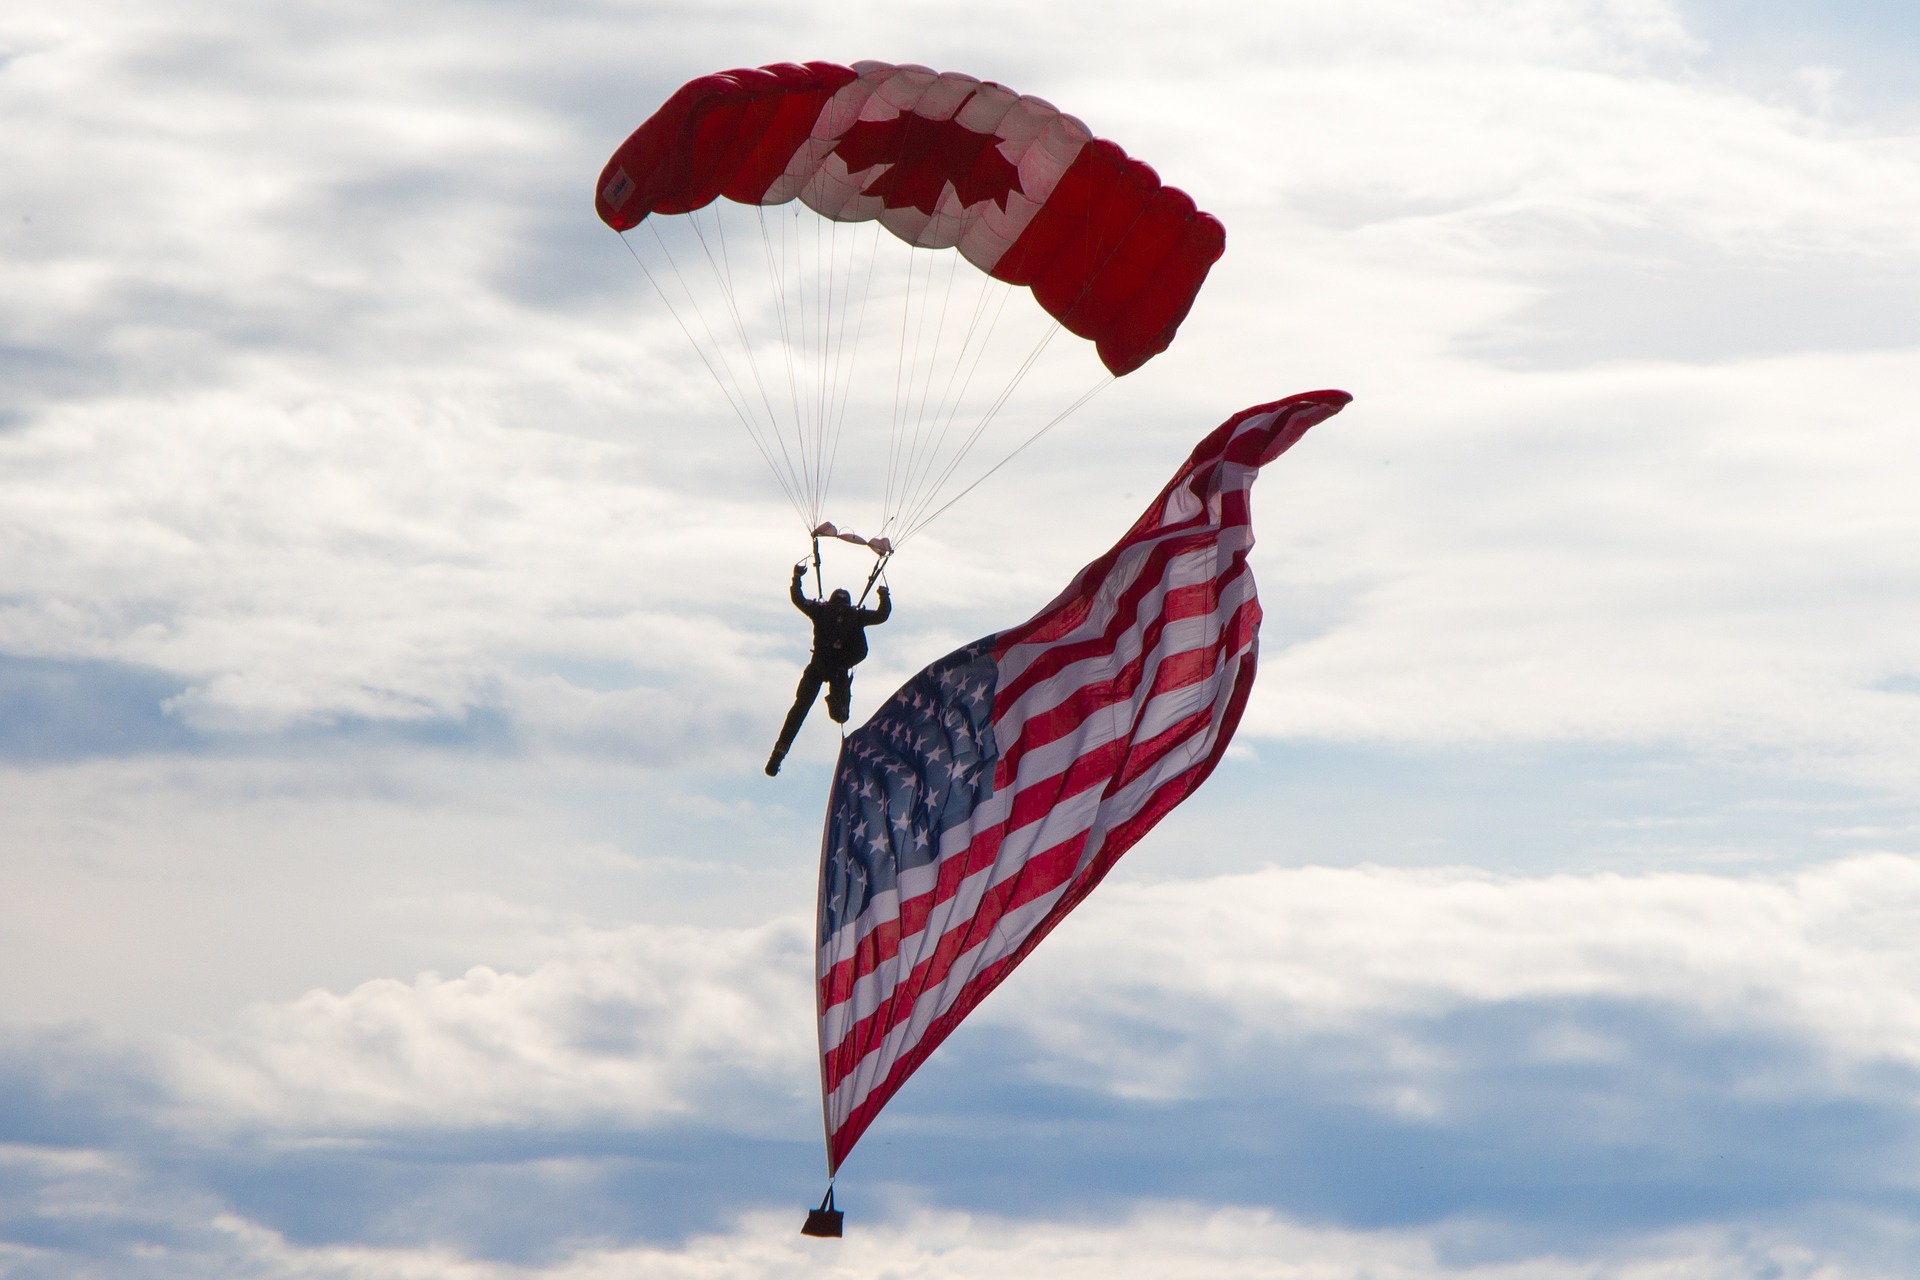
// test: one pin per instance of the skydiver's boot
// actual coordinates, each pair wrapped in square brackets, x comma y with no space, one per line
[802,701]
[810,682]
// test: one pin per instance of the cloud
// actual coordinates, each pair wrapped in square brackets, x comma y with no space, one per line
[1822,956]
[1152,992]
[1648,1020]
[371,424]
[633,1027]
[1448,1072]
[1158,1240]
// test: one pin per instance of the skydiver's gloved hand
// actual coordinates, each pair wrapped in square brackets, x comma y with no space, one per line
[884,593]
[799,572]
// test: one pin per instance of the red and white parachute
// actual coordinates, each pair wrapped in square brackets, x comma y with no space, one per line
[804,324]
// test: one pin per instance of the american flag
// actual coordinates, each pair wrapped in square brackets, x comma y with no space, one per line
[990,795]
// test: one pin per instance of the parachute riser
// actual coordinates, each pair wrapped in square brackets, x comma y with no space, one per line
[872,578]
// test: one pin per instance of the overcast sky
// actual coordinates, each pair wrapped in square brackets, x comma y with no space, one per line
[392,625]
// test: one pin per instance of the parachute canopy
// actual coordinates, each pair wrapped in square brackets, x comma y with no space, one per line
[1022,190]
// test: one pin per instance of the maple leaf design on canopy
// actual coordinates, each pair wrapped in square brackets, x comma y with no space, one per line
[923,156]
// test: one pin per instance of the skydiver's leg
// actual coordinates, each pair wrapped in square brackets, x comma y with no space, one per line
[840,695]
[810,682]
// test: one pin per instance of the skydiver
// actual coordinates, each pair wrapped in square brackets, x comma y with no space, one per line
[839,644]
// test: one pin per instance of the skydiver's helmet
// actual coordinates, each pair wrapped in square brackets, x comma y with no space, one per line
[841,596]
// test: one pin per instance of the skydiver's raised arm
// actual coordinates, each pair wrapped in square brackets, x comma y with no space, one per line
[800,600]
[874,617]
